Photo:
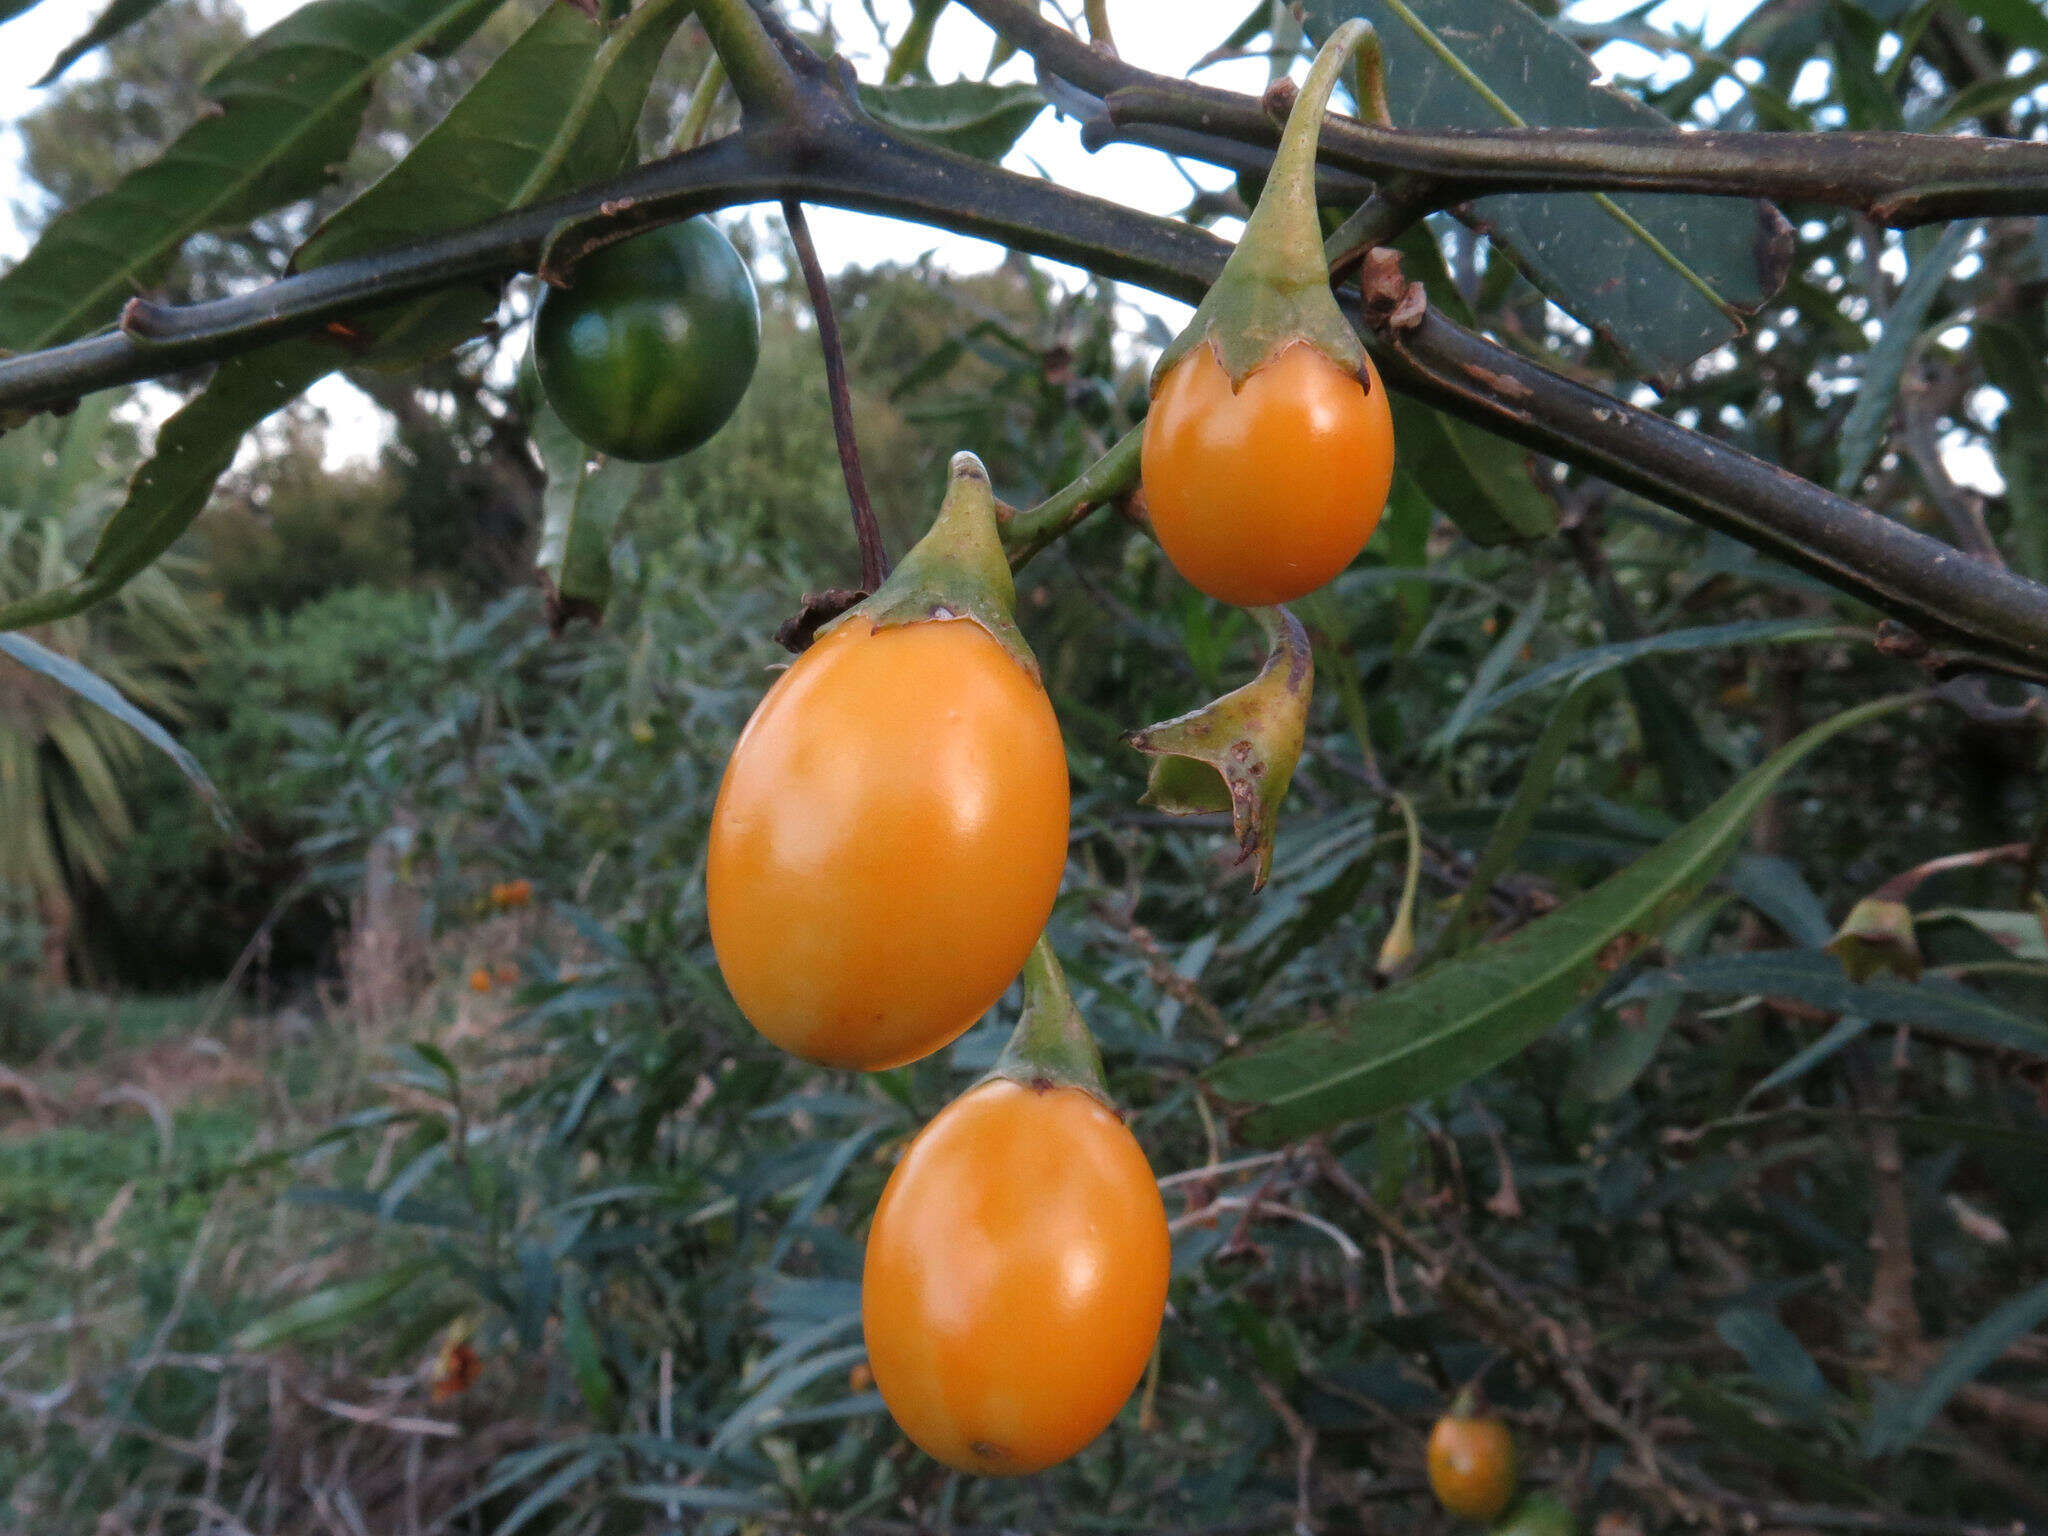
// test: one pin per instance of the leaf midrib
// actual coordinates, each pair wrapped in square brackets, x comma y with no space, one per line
[126,275]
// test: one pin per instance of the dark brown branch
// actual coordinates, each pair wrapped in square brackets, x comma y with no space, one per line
[874,560]
[830,152]
[1896,178]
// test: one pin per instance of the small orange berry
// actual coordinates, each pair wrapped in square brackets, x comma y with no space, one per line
[479,980]
[1472,1463]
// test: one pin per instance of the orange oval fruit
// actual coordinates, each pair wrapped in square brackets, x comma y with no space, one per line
[1015,1277]
[1472,1464]
[1262,494]
[887,842]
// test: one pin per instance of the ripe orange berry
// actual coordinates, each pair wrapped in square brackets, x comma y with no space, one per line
[480,980]
[1015,1277]
[1262,494]
[887,841]
[1472,1464]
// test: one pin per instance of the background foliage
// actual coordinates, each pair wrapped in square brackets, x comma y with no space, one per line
[1736,1234]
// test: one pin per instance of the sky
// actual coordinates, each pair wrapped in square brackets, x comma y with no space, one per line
[1166,37]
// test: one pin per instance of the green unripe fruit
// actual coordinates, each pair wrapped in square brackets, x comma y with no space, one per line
[647,354]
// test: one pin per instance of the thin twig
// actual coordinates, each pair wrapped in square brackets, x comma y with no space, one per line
[874,560]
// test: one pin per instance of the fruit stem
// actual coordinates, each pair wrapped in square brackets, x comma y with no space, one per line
[1051,1046]
[867,533]
[1283,238]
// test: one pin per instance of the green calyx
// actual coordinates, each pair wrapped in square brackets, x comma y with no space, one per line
[1238,753]
[1275,288]
[958,570]
[1051,1046]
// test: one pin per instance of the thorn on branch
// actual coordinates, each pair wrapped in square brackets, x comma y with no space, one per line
[1278,98]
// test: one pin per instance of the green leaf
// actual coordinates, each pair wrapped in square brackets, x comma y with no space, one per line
[288,104]
[1486,679]
[1900,1423]
[1773,1353]
[1619,1051]
[1665,279]
[1467,1016]
[969,117]
[193,450]
[2021,20]
[579,1342]
[579,515]
[326,1311]
[2012,365]
[94,689]
[1816,978]
[1479,481]
[1877,391]
[1501,844]
[1596,659]
[556,108]
[1845,1032]
[117,18]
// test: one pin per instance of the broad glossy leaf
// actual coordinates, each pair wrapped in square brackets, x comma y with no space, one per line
[969,117]
[94,689]
[1885,363]
[287,109]
[1468,1015]
[557,107]
[1901,1423]
[1665,279]
[117,18]
[1817,979]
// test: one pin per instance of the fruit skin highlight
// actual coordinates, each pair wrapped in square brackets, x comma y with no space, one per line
[1262,494]
[887,841]
[1016,1277]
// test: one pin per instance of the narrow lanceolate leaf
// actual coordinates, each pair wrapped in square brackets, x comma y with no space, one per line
[327,1311]
[1665,279]
[1465,1017]
[117,18]
[579,516]
[1578,666]
[969,117]
[193,450]
[1816,978]
[94,689]
[1973,1353]
[1877,392]
[556,108]
[283,116]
